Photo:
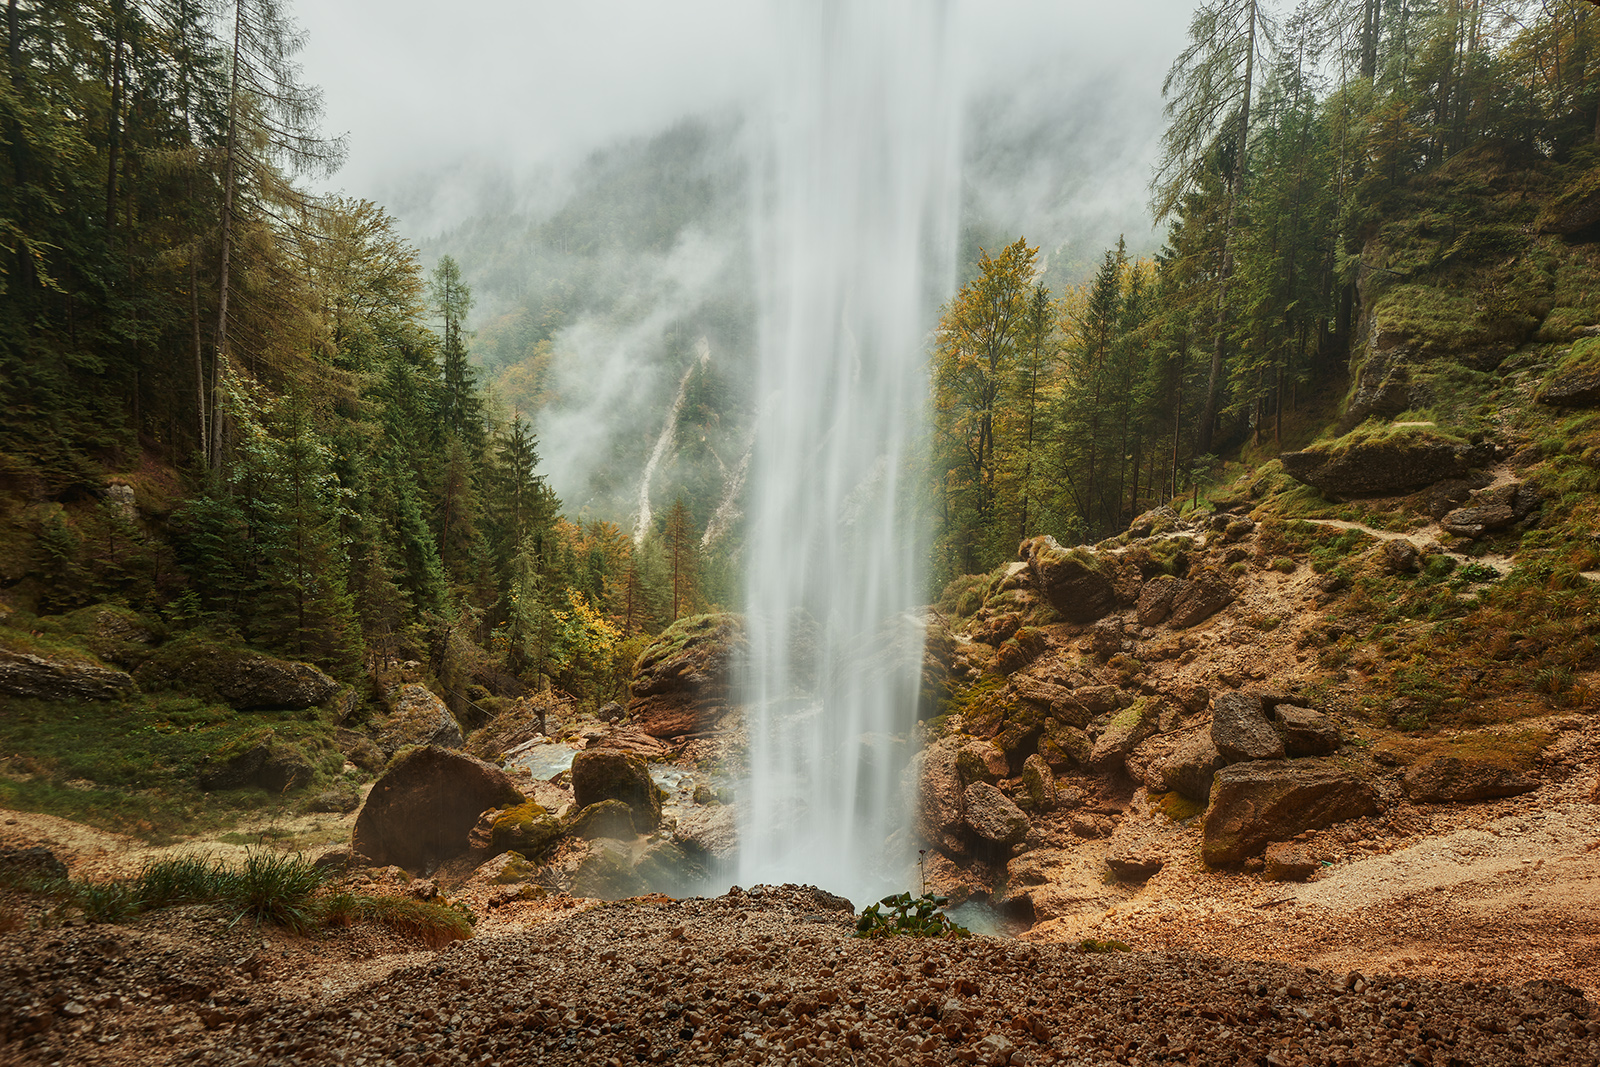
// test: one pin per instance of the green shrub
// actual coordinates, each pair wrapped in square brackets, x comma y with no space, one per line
[908,917]
[277,889]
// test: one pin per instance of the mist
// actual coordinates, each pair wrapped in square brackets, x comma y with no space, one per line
[587,166]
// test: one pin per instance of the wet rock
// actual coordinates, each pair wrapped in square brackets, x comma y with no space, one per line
[939,794]
[682,681]
[1240,730]
[1155,600]
[1397,463]
[608,818]
[1288,862]
[1450,779]
[424,807]
[1306,732]
[419,718]
[1073,581]
[607,872]
[712,832]
[23,674]
[606,774]
[1199,598]
[992,816]
[1273,800]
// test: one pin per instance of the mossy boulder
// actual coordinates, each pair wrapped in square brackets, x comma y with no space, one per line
[608,818]
[608,774]
[1575,381]
[607,872]
[1399,460]
[1124,732]
[419,718]
[246,679]
[682,682]
[1073,581]
[1064,744]
[525,828]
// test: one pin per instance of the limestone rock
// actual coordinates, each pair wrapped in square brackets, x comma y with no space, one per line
[1450,779]
[682,681]
[992,816]
[23,674]
[1134,861]
[1072,580]
[939,794]
[1306,732]
[1040,783]
[981,761]
[1273,800]
[608,774]
[1477,521]
[424,807]
[1124,733]
[1199,598]
[1240,730]
[1190,766]
[1398,463]
[1060,701]
[1099,699]
[419,718]
[1155,600]
[1063,745]
[1289,862]
[709,831]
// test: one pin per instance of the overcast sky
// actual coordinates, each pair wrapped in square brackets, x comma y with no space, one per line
[524,84]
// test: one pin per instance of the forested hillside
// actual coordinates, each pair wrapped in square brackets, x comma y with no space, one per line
[242,414]
[1403,192]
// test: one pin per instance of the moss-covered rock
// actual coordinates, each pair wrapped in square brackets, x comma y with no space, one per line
[199,664]
[526,828]
[607,818]
[1072,580]
[682,681]
[1384,460]
[608,774]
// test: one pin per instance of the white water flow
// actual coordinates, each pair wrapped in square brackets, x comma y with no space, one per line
[856,226]
[644,517]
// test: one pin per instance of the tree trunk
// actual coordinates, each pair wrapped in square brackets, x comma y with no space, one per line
[229,168]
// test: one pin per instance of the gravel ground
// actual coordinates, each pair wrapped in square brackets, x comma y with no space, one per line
[766,975]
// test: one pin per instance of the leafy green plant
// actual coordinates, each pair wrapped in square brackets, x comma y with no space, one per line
[278,889]
[908,916]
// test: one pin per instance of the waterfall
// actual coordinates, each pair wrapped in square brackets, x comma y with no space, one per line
[855,223]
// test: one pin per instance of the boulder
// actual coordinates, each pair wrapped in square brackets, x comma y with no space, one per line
[1399,462]
[1155,600]
[1450,779]
[1199,598]
[1273,800]
[1306,732]
[419,718]
[939,795]
[608,818]
[1479,520]
[250,680]
[607,872]
[1064,745]
[709,831]
[1058,700]
[335,801]
[1123,734]
[608,774]
[992,816]
[981,761]
[1240,730]
[1401,556]
[682,681]
[1099,699]
[526,828]
[23,674]
[421,811]
[1578,387]
[1072,580]
[1040,782]
[1191,767]
[1288,862]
